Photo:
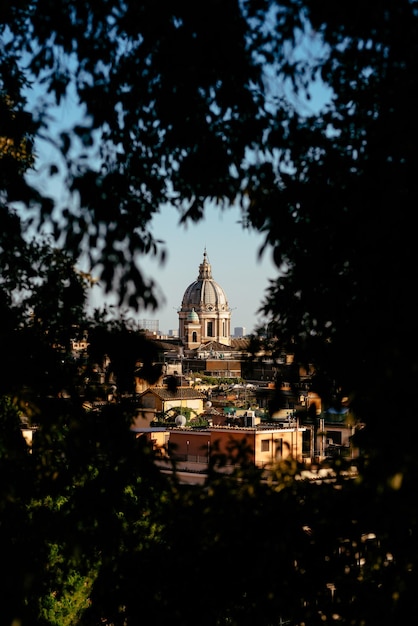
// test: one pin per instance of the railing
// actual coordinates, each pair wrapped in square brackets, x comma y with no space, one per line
[190,458]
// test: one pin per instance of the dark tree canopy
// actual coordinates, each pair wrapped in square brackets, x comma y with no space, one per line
[188,104]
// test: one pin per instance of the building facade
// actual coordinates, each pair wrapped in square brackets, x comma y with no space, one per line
[264,445]
[158,400]
[205,314]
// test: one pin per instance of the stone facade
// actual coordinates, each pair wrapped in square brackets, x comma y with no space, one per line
[204,315]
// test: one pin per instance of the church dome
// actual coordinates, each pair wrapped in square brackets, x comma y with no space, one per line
[204,294]
[204,315]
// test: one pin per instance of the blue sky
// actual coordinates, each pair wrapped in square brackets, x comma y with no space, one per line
[231,249]
[232,252]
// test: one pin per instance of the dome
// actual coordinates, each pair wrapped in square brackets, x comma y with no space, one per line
[204,294]
[193,317]
[180,421]
[204,315]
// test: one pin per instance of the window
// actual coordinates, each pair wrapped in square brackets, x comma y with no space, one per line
[265,445]
[335,436]
[194,337]
[210,329]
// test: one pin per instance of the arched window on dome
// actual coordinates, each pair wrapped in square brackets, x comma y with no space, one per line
[194,337]
[209,332]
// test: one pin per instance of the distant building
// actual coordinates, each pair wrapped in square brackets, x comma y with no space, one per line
[152,326]
[239,331]
[156,401]
[204,315]
[265,444]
